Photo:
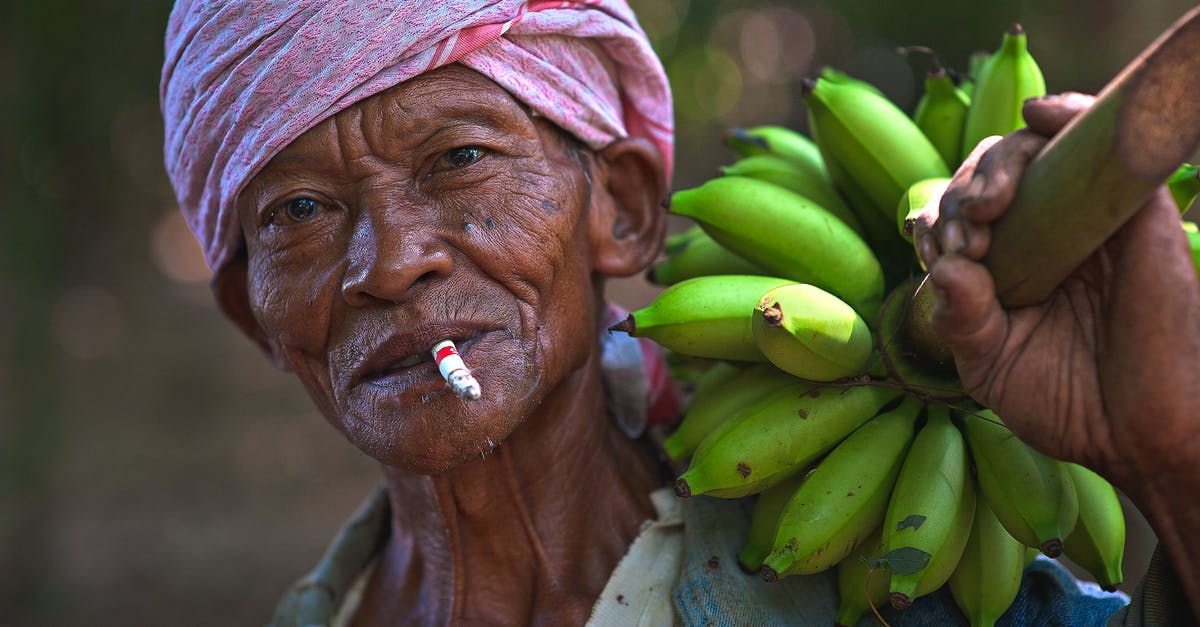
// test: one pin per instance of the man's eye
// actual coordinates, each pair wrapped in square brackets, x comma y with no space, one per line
[301,209]
[463,156]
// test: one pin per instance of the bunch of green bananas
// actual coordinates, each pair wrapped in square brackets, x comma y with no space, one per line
[825,399]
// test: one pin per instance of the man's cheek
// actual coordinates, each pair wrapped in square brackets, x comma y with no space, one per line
[294,310]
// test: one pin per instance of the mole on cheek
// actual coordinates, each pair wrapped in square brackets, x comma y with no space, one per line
[550,206]
[490,223]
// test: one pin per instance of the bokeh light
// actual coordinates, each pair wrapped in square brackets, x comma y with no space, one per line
[776,44]
[707,83]
[884,67]
[175,251]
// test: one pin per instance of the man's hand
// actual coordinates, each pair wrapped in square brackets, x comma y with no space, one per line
[1105,372]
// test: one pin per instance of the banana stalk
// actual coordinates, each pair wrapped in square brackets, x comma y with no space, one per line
[1104,165]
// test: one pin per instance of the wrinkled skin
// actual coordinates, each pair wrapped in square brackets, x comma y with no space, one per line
[442,209]
[1106,371]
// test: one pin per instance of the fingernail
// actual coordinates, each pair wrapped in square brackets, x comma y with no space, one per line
[954,236]
[927,249]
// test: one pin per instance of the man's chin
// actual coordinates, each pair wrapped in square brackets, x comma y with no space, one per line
[439,440]
[448,462]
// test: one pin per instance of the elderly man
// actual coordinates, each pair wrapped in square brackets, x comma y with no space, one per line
[369,178]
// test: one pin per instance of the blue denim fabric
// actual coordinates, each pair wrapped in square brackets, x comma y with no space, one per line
[1050,596]
[713,590]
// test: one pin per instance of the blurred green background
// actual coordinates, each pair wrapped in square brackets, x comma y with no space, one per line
[154,469]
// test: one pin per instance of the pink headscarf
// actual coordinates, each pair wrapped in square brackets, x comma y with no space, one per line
[244,78]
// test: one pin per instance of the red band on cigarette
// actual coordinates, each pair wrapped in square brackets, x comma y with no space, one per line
[443,353]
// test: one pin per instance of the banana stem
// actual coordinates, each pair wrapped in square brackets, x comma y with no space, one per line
[626,326]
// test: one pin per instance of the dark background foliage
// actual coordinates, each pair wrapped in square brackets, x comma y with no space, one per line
[154,469]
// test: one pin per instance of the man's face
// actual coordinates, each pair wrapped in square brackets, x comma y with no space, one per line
[436,210]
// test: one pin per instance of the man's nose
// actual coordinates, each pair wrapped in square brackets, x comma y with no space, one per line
[388,263]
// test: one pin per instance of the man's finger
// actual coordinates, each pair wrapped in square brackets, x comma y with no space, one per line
[927,221]
[968,317]
[963,181]
[996,177]
[970,205]
[1048,114]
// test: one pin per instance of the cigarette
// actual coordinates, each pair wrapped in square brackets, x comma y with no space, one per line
[454,371]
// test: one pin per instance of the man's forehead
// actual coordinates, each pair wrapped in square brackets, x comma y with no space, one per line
[416,109]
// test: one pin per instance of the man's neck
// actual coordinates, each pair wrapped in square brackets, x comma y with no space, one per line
[529,533]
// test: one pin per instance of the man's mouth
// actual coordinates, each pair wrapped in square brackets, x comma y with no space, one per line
[412,364]
[403,364]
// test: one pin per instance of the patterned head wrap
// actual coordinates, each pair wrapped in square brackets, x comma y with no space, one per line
[244,78]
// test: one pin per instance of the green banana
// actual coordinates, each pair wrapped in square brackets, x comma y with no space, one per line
[932,507]
[988,575]
[919,371]
[764,520]
[914,200]
[718,399]
[678,241]
[1032,495]
[715,375]
[844,498]
[875,145]
[859,586]
[701,387]
[1009,77]
[707,316]
[784,173]
[1184,186]
[836,76]
[686,370]
[810,333]
[786,234]
[700,255]
[781,142]
[941,114]
[894,253]
[783,433]
[1193,235]
[975,64]
[1098,541]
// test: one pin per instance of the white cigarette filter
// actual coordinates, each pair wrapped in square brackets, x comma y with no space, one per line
[455,371]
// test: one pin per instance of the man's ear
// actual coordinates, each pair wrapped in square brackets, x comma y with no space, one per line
[229,287]
[626,217]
